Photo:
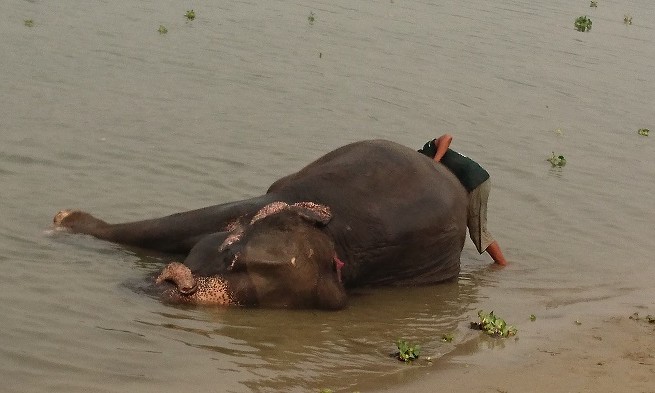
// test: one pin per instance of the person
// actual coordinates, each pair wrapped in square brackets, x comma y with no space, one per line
[475,180]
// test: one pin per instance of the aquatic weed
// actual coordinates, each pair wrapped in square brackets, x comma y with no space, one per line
[311,18]
[190,15]
[643,131]
[627,19]
[593,4]
[648,318]
[493,326]
[162,29]
[557,160]
[582,23]
[406,351]
[29,22]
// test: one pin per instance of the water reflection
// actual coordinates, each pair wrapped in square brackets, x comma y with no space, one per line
[303,350]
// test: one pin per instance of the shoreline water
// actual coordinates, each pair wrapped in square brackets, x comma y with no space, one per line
[591,347]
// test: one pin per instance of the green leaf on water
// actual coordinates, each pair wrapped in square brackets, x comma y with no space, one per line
[162,29]
[190,14]
[557,160]
[493,326]
[447,337]
[29,22]
[582,23]
[643,131]
[406,351]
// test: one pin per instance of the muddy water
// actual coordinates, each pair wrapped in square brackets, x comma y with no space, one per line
[101,112]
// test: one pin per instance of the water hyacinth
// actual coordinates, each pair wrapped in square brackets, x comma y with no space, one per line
[557,160]
[583,24]
[406,351]
[493,326]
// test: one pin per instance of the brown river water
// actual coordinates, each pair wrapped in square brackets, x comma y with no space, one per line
[99,111]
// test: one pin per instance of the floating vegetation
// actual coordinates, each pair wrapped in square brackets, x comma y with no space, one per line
[447,337]
[311,18]
[406,351]
[190,15]
[627,19]
[162,29]
[643,131]
[557,160]
[29,22]
[583,24]
[593,4]
[493,326]
[648,318]
[533,317]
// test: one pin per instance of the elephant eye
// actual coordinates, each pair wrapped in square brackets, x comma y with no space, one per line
[232,259]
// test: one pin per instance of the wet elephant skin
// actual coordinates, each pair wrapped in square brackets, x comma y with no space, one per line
[369,213]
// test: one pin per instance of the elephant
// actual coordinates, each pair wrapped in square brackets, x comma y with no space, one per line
[370,213]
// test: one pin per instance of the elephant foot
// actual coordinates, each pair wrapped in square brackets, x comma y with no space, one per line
[180,275]
[62,217]
[77,221]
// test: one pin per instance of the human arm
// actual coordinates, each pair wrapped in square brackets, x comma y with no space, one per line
[494,251]
[442,143]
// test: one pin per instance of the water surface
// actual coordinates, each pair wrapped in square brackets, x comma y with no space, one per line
[98,111]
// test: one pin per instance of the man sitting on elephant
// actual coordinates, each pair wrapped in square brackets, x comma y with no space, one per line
[476,181]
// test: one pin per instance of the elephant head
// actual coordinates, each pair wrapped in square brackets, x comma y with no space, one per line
[280,257]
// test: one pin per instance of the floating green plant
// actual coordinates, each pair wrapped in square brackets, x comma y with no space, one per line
[162,29]
[533,317]
[593,4]
[190,14]
[627,19]
[557,160]
[447,337]
[406,351]
[493,326]
[29,22]
[311,18]
[643,131]
[583,24]
[648,318]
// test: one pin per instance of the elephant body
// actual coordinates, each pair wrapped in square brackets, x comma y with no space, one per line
[368,213]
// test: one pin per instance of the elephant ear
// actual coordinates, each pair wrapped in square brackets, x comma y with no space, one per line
[313,212]
[310,211]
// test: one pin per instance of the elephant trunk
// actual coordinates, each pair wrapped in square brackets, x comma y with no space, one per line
[181,276]
[194,290]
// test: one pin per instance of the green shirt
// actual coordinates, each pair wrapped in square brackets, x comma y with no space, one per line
[469,172]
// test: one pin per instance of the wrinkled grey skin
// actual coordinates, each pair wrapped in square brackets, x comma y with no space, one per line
[368,213]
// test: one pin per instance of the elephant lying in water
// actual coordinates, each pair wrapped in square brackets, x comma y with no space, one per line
[369,213]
